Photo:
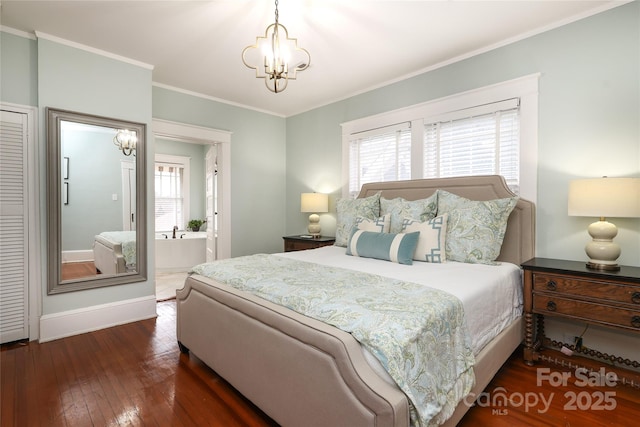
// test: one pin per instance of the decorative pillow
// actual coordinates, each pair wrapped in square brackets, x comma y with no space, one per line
[387,246]
[475,229]
[349,209]
[431,244]
[399,209]
[380,225]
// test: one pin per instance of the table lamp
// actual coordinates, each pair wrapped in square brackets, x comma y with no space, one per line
[314,203]
[604,197]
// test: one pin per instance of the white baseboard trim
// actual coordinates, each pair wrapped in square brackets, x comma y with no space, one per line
[77,256]
[88,319]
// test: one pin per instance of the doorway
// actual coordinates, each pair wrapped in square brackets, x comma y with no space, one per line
[216,155]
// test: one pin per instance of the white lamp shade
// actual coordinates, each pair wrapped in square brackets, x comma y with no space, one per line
[605,197]
[314,202]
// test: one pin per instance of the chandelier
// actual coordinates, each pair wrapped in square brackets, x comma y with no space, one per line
[126,141]
[273,59]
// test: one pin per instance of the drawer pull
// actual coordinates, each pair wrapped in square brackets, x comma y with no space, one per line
[551,306]
[551,285]
[635,298]
[635,321]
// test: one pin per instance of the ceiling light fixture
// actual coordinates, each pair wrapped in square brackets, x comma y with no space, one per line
[126,141]
[275,52]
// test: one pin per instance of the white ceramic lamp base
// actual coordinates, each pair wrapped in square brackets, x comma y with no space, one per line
[602,251]
[314,225]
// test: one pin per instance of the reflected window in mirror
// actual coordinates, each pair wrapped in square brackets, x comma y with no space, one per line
[96,200]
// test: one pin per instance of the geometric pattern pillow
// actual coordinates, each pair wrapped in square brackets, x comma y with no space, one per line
[475,229]
[386,246]
[431,244]
[399,209]
[380,225]
[348,210]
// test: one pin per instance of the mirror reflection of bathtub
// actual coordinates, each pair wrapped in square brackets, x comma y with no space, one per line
[182,253]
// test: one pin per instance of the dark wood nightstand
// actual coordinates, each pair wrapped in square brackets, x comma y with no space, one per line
[298,243]
[570,290]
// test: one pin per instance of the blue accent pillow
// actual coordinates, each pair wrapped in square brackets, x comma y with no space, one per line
[394,247]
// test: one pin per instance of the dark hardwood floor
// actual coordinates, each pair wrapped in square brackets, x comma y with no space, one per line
[135,375]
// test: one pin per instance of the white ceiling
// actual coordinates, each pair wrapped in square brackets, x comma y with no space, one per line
[355,45]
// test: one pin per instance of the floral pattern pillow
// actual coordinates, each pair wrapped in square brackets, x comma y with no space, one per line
[349,210]
[475,229]
[399,209]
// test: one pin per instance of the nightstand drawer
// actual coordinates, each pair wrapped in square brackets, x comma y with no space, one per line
[587,288]
[290,246]
[583,310]
[298,243]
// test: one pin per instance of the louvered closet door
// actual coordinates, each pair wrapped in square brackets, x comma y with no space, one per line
[13,227]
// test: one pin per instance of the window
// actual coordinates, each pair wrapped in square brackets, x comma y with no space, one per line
[491,130]
[171,175]
[483,144]
[379,155]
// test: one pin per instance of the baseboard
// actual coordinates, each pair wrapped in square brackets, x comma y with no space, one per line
[77,256]
[74,322]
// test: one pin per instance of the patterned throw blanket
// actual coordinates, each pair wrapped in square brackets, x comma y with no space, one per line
[417,333]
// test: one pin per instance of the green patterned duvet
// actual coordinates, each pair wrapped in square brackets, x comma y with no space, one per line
[417,333]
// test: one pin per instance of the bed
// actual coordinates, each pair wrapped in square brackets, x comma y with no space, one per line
[114,252]
[302,371]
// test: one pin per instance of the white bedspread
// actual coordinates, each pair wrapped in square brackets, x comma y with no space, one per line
[491,294]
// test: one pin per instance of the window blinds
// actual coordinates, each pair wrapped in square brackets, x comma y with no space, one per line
[169,196]
[379,155]
[480,141]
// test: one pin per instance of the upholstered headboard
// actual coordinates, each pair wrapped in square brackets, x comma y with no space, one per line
[519,241]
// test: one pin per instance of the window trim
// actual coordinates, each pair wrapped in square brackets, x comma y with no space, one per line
[525,88]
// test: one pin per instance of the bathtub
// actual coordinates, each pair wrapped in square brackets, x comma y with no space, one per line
[182,253]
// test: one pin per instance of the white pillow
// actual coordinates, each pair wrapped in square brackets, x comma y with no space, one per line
[431,243]
[380,225]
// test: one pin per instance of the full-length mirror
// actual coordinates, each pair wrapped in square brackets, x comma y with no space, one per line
[96,201]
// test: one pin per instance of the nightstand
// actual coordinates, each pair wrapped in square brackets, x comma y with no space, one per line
[568,289]
[298,243]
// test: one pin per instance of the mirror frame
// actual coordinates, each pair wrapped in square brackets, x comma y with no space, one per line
[55,283]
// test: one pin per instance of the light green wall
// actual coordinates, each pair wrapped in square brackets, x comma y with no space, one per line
[77,80]
[258,156]
[18,69]
[589,122]
[94,177]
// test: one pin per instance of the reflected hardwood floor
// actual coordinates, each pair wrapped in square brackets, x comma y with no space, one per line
[134,374]
[75,270]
